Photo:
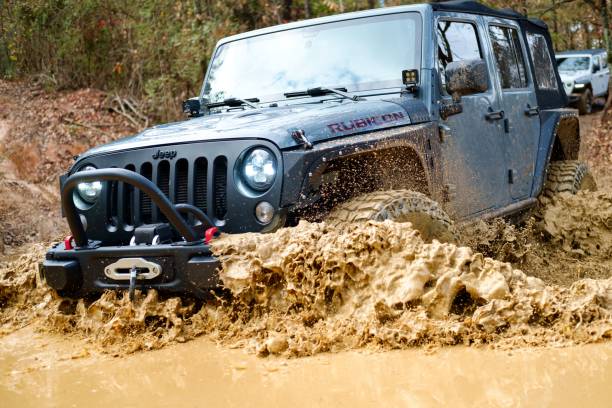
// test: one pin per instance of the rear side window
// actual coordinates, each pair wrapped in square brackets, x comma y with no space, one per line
[542,63]
[508,57]
[457,41]
[604,60]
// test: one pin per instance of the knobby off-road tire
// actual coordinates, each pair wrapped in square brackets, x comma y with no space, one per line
[400,206]
[585,103]
[567,176]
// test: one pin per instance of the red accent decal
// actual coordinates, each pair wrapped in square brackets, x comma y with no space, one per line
[211,233]
[68,242]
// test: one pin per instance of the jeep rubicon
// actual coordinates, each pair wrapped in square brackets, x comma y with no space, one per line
[424,113]
[585,75]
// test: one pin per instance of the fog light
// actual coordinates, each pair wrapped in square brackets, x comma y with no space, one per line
[264,212]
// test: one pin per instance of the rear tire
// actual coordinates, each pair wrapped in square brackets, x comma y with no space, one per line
[567,176]
[424,214]
[585,103]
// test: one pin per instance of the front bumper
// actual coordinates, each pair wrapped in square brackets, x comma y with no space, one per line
[80,266]
[185,269]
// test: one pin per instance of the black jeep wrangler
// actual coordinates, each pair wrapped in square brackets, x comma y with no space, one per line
[424,113]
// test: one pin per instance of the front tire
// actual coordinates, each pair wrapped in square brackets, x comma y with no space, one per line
[585,103]
[424,214]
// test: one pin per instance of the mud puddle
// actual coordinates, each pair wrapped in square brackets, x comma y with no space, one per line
[201,373]
[337,298]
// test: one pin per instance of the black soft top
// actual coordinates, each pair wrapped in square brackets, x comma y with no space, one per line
[474,7]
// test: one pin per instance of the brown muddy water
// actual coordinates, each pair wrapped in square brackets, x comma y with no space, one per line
[359,315]
[43,373]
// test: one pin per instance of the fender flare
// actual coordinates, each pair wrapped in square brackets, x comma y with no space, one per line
[559,140]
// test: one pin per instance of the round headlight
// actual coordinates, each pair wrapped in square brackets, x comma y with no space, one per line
[89,192]
[259,169]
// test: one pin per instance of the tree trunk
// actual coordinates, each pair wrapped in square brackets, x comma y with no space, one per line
[555,19]
[286,12]
[587,31]
[307,8]
[605,20]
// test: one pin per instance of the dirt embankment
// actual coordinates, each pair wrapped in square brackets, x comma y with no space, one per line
[40,133]
[317,288]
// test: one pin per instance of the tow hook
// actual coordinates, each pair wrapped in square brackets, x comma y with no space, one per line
[210,234]
[133,277]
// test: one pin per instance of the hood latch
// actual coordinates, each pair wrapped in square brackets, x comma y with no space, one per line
[299,136]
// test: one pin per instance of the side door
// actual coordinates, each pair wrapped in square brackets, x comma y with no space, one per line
[521,122]
[474,168]
[600,76]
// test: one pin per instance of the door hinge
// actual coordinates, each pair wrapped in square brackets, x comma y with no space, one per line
[506,125]
[510,176]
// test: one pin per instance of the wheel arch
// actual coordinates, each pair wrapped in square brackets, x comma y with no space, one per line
[351,163]
[559,140]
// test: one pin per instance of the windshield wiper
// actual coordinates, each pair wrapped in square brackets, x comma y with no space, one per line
[321,91]
[234,102]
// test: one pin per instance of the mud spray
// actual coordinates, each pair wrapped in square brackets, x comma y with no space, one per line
[315,288]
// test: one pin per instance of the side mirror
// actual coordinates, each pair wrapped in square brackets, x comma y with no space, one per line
[466,77]
[595,68]
[192,107]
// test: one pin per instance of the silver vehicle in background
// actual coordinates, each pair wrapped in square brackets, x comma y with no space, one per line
[585,75]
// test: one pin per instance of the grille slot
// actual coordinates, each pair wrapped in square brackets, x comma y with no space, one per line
[163,182]
[146,207]
[181,188]
[220,187]
[128,200]
[200,183]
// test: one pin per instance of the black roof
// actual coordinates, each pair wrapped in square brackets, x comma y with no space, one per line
[593,51]
[474,7]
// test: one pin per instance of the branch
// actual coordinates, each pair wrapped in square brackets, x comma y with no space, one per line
[554,6]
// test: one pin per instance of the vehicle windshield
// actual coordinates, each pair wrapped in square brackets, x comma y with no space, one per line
[573,63]
[357,55]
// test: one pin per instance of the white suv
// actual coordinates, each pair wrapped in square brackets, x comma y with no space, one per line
[585,75]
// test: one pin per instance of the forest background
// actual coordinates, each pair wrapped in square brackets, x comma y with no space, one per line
[155,52]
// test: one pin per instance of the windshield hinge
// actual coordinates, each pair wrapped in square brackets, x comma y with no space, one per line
[299,136]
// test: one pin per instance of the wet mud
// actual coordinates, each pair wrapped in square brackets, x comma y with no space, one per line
[318,288]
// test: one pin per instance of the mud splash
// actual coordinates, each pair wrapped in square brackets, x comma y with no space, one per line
[317,288]
[570,239]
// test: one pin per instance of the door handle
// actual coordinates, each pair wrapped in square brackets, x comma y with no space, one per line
[532,111]
[494,115]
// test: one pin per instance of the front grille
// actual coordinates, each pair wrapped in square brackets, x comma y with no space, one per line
[128,207]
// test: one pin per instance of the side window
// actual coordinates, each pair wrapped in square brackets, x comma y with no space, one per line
[596,66]
[544,70]
[604,61]
[457,41]
[508,56]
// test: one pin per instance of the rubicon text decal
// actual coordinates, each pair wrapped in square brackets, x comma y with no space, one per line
[366,122]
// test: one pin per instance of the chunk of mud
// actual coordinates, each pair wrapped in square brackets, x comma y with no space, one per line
[570,240]
[581,223]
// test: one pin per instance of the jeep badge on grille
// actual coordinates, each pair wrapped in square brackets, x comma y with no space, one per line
[167,154]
